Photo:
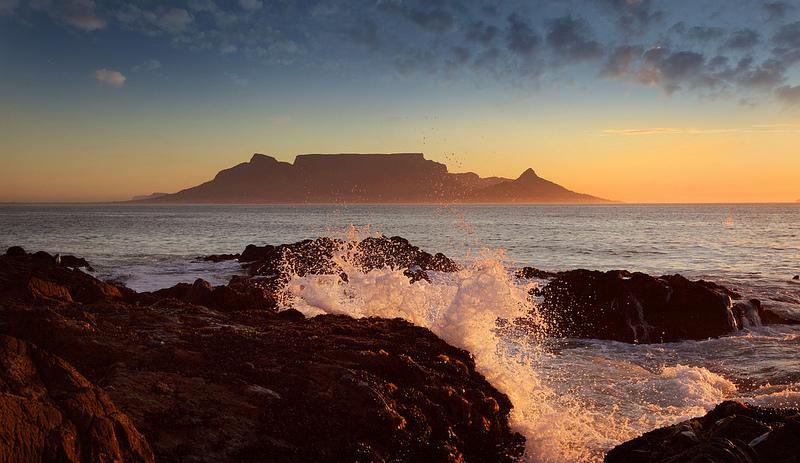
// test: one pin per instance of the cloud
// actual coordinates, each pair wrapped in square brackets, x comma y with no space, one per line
[570,37]
[621,61]
[161,20]
[788,95]
[7,6]
[81,14]
[776,10]
[520,36]
[434,19]
[753,129]
[251,5]
[237,80]
[742,39]
[481,32]
[109,77]
[173,20]
[634,16]
[705,33]
[147,66]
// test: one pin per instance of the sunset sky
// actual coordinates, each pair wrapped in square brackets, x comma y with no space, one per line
[634,100]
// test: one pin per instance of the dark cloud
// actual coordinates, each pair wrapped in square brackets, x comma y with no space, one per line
[635,16]
[365,32]
[788,95]
[705,33]
[571,38]
[742,39]
[765,76]
[788,36]
[434,19]
[8,6]
[481,32]
[521,38]
[621,61]
[776,10]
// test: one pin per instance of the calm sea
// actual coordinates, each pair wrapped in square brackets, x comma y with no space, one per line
[574,398]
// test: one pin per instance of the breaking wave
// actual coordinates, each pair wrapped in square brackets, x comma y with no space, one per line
[571,402]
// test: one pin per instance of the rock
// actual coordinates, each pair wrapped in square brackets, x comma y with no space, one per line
[219,257]
[796,277]
[28,277]
[76,262]
[241,293]
[203,384]
[316,257]
[44,290]
[49,412]
[732,432]
[530,272]
[15,251]
[635,307]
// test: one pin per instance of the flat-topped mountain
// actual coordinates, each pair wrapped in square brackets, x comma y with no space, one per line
[365,178]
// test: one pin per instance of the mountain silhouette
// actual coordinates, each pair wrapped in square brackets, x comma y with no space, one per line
[365,178]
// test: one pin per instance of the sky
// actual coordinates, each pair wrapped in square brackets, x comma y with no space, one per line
[633,100]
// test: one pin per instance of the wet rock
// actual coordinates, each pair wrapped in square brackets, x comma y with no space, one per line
[240,294]
[635,307]
[219,257]
[316,257]
[15,251]
[49,412]
[531,272]
[75,262]
[732,432]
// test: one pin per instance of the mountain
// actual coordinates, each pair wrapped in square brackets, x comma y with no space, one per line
[365,178]
[150,196]
[528,187]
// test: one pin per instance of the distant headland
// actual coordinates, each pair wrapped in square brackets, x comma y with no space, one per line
[365,178]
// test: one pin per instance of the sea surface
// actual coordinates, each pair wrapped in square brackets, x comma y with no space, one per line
[574,399]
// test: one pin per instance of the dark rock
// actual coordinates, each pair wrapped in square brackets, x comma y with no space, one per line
[42,255]
[75,262]
[219,257]
[530,272]
[15,251]
[241,293]
[796,277]
[49,412]
[291,314]
[732,432]
[316,257]
[635,307]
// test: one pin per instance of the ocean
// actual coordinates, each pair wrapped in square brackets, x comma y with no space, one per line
[574,399]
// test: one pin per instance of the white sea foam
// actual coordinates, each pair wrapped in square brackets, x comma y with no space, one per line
[571,404]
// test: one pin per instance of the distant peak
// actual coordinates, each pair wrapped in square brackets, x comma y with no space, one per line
[258,157]
[529,173]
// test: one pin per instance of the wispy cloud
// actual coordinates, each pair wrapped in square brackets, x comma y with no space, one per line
[765,128]
[147,66]
[237,80]
[7,6]
[109,77]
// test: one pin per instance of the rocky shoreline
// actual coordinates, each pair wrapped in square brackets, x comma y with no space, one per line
[94,371]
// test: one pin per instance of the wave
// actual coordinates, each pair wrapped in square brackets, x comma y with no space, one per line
[570,404]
